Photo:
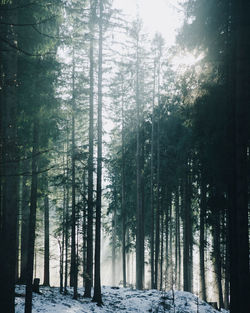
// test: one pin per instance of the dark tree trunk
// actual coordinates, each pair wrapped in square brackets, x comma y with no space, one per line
[73,267]
[114,235]
[152,236]
[187,234]
[66,215]
[124,216]
[89,269]
[177,239]
[84,237]
[9,166]
[46,281]
[18,227]
[97,297]
[217,255]
[63,236]
[171,241]
[24,223]
[202,240]
[238,214]
[139,209]
[162,246]
[32,221]
[167,238]
[157,225]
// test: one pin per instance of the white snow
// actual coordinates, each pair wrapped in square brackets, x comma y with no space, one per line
[115,300]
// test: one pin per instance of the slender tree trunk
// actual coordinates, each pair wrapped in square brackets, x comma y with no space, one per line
[32,221]
[89,271]
[73,269]
[46,281]
[66,215]
[188,246]
[18,226]
[217,256]
[24,223]
[167,239]
[162,246]
[152,237]
[179,239]
[124,269]
[227,265]
[97,282]
[63,235]
[157,226]
[139,213]
[84,232]
[171,241]
[202,240]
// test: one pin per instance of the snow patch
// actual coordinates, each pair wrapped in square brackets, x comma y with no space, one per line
[115,300]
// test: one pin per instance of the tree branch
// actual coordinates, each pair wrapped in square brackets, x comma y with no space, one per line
[23,51]
[30,24]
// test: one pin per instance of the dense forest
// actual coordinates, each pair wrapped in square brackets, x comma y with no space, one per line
[102,136]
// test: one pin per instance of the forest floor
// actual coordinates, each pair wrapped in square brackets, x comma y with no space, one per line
[115,300]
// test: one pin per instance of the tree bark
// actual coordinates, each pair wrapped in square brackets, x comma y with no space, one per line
[124,269]
[97,297]
[238,214]
[24,223]
[66,215]
[46,281]
[139,213]
[9,166]
[89,269]
[73,268]
[202,240]
[32,221]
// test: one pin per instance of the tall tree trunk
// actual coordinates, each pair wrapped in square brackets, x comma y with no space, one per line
[188,245]
[217,255]
[171,241]
[238,214]
[32,221]
[167,238]
[162,246]
[124,269]
[63,234]
[89,269]
[18,226]
[114,225]
[46,281]
[97,282]
[84,232]
[157,225]
[73,268]
[139,213]
[66,215]
[227,265]
[177,239]
[8,226]
[152,237]
[24,222]
[202,240]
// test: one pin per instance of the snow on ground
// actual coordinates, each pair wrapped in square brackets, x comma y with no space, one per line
[115,300]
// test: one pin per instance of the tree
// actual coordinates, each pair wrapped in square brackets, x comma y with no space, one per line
[97,286]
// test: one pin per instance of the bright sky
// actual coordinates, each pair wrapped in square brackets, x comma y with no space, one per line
[164,16]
